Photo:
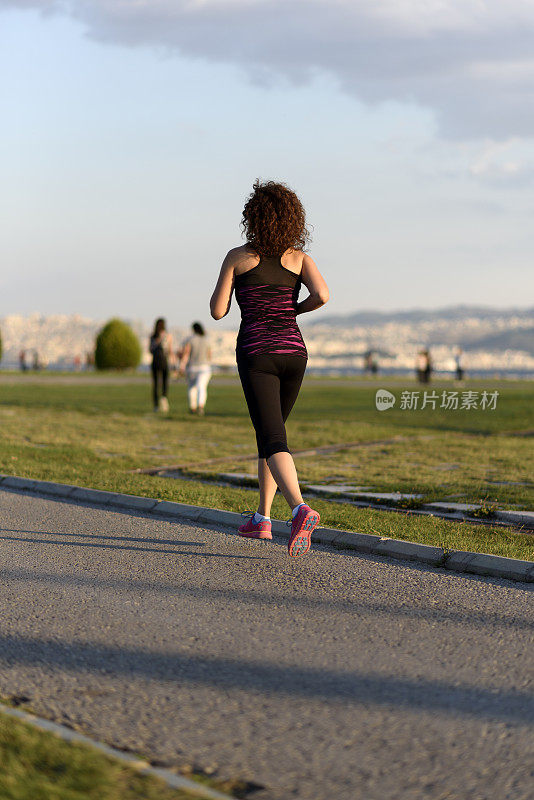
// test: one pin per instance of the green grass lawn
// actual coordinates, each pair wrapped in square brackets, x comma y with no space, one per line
[35,765]
[93,435]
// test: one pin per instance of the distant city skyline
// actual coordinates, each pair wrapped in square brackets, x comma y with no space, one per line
[492,339]
[134,132]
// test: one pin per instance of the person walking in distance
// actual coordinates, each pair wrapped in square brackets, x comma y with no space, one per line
[195,364]
[161,349]
[267,273]
[429,366]
[458,364]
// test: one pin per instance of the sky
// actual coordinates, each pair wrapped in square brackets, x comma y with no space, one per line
[133,130]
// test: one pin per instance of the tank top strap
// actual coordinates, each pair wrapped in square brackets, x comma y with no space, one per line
[268,271]
[296,275]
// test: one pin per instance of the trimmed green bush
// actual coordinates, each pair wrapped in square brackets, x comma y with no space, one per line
[117,347]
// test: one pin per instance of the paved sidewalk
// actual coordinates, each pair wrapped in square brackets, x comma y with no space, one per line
[329,676]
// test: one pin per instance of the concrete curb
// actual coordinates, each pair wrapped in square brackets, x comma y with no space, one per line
[133,761]
[459,561]
[524,518]
[389,501]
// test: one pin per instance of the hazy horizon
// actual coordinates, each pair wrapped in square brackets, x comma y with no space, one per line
[232,320]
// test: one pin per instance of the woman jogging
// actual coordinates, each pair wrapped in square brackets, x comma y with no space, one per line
[161,349]
[267,273]
[195,363]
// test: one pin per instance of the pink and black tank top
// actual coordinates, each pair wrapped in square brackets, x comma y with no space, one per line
[267,295]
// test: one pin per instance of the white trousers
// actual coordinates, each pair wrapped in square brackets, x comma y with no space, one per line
[197,388]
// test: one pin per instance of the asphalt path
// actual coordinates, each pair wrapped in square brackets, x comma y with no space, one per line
[334,675]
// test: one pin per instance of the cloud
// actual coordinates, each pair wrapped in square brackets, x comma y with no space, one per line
[489,160]
[470,61]
[503,164]
[44,6]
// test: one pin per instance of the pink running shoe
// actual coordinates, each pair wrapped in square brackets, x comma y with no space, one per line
[255,530]
[302,526]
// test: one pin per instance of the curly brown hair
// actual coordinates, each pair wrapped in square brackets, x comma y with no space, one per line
[274,220]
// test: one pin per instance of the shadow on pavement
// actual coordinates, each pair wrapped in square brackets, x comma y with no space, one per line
[104,546]
[272,678]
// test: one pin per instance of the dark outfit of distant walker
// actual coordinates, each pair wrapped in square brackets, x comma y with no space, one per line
[458,366]
[423,366]
[160,369]
[270,352]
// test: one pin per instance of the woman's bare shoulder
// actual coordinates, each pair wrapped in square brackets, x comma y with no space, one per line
[242,259]
[237,253]
[293,260]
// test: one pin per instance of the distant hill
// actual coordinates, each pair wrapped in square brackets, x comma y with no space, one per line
[417,315]
[482,328]
[518,339]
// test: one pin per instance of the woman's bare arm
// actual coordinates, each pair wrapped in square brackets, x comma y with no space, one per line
[170,352]
[316,285]
[222,296]
[184,358]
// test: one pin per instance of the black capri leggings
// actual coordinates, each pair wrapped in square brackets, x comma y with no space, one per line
[271,383]
[160,376]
